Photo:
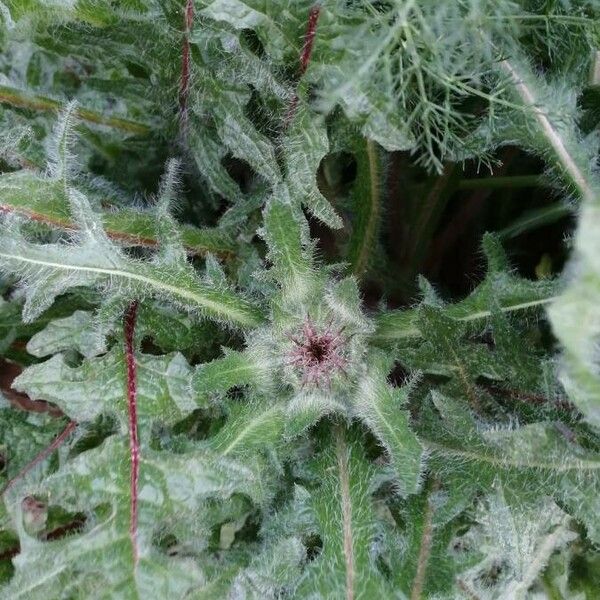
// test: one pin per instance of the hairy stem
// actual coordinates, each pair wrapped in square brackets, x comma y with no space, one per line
[127,227]
[430,213]
[463,376]
[305,54]
[58,441]
[134,444]
[10,553]
[309,38]
[527,397]
[544,551]
[563,156]
[509,181]
[21,99]
[346,502]
[184,84]
[537,217]
[9,371]
[364,233]
[425,547]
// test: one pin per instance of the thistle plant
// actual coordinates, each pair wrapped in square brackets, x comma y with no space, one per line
[266,328]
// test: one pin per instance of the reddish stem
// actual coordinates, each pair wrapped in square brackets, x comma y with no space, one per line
[129,238]
[305,54]
[58,441]
[184,85]
[63,530]
[8,373]
[134,444]
[10,553]
[309,38]
[528,397]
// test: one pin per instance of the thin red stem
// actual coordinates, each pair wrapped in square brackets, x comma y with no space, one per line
[528,397]
[134,444]
[9,371]
[184,84]
[305,54]
[128,238]
[63,530]
[10,553]
[309,38]
[58,441]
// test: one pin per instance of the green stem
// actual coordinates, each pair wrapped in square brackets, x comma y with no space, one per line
[536,218]
[367,205]
[430,211]
[492,183]
[426,542]
[348,538]
[21,99]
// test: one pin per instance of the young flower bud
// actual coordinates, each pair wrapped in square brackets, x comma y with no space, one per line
[318,354]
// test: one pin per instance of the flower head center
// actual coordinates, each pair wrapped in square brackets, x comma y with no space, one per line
[317,353]
[318,348]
